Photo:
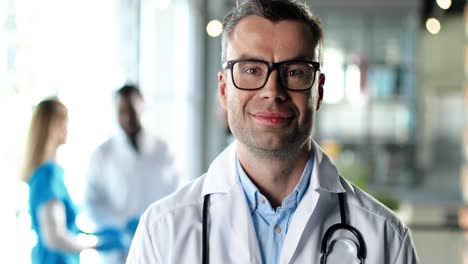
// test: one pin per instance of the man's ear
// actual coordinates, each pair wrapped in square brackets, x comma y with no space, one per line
[222,89]
[320,90]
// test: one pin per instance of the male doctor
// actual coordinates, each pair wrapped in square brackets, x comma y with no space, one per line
[127,172]
[271,196]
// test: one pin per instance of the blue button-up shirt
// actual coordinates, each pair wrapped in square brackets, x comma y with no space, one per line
[271,225]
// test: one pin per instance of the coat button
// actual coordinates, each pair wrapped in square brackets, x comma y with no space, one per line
[277,229]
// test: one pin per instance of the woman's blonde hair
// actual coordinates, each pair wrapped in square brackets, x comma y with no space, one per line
[39,146]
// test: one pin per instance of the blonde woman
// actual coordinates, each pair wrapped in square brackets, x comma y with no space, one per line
[52,210]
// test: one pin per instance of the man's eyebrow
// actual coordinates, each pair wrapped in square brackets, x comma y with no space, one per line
[246,56]
[253,57]
[263,59]
[301,57]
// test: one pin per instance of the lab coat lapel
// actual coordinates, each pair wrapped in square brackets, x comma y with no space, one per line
[301,217]
[324,177]
[232,229]
[232,234]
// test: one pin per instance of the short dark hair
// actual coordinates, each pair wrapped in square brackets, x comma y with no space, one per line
[127,90]
[273,10]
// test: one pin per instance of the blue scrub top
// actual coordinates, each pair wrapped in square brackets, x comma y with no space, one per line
[45,184]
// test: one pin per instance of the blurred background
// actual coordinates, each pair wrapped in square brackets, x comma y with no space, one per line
[394,120]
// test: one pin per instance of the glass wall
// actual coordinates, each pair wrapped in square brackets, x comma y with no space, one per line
[50,50]
[368,121]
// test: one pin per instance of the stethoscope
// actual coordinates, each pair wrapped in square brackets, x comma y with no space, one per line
[361,245]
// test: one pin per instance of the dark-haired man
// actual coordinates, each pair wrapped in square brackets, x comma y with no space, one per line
[128,171]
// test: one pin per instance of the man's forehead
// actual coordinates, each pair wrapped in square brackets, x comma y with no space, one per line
[256,34]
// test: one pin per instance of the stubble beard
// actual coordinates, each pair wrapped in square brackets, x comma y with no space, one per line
[281,147]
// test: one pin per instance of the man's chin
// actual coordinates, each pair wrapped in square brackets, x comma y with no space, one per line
[132,131]
[272,150]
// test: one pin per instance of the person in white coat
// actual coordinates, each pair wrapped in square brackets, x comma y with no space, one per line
[273,196]
[128,172]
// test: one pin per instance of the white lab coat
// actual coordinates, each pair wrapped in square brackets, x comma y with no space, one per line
[122,184]
[171,230]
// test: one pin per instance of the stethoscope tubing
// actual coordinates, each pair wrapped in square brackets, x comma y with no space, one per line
[205,245]
[324,243]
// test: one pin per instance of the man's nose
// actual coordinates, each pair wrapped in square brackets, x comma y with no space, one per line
[273,88]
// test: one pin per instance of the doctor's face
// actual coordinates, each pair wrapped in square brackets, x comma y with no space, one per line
[270,121]
[129,110]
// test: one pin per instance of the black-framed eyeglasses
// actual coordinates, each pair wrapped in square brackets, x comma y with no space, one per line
[253,74]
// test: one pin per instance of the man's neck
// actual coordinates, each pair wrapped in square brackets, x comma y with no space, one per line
[133,139]
[275,178]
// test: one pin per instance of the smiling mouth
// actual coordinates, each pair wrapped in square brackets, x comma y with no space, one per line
[272,118]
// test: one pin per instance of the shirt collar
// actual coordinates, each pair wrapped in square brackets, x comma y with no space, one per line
[250,189]
[304,181]
[292,200]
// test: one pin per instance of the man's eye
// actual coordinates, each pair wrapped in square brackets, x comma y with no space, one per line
[252,71]
[296,72]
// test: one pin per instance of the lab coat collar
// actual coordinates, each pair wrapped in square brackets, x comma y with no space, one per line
[222,173]
[143,139]
[325,175]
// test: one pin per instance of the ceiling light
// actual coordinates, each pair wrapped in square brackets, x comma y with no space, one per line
[433,25]
[444,4]
[214,28]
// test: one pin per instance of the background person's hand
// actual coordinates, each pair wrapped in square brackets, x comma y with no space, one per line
[110,238]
